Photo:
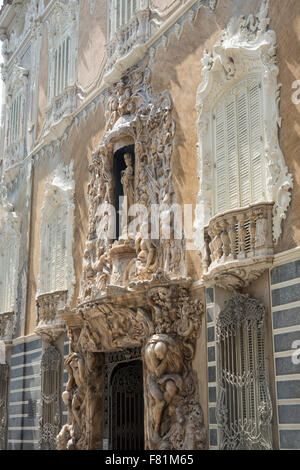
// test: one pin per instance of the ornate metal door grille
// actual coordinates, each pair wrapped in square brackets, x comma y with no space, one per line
[244,408]
[50,418]
[127,407]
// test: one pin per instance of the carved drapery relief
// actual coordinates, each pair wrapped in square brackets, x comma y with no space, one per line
[132,111]
[244,407]
[3,404]
[50,415]
[247,48]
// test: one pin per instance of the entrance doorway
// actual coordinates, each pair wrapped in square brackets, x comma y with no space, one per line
[127,407]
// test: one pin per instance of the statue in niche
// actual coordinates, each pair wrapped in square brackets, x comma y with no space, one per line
[127,181]
[164,381]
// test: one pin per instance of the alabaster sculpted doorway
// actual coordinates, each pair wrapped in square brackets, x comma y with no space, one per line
[123,403]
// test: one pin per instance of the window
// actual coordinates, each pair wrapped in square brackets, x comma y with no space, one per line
[55,251]
[9,255]
[239,157]
[62,66]
[7,261]
[244,409]
[63,24]
[4,405]
[120,13]
[56,259]
[238,147]
[15,119]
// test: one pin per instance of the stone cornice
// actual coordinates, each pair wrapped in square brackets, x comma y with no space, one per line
[286,256]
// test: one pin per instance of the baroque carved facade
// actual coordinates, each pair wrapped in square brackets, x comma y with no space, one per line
[149,239]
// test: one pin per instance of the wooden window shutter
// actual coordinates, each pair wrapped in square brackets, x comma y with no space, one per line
[238,147]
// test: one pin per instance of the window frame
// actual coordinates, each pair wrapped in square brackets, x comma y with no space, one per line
[246,48]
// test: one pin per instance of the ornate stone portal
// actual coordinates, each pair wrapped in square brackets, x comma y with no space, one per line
[149,304]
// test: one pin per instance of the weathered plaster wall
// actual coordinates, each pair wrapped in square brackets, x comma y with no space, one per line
[92,40]
[42,83]
[78,150]
[162,5]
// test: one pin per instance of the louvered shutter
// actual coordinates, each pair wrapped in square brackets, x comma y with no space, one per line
[8,260]
[230,145]
[60,253]
[221,176]
[256,142]
[243,147]
[238,147]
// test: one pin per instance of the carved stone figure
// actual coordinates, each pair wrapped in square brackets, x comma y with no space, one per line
[164,366]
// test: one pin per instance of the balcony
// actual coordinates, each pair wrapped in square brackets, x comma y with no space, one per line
[126,44]
[238,246]
[61,106]
[6,326]
[49,325]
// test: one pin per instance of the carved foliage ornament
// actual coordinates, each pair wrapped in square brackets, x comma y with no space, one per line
[247,49]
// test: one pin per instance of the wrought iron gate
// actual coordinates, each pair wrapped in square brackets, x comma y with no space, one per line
[127,407]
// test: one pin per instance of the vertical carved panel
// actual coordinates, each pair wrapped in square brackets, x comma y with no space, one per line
[3,404]
[50,418]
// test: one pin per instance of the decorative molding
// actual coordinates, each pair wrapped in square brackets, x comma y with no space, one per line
[49,325]
[286,256]
[58,208]
[17,84]
[247,48]
[238,246]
